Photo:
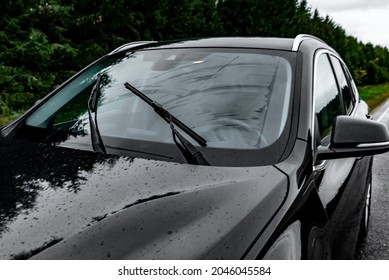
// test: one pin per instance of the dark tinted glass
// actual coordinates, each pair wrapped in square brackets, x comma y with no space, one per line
[327,97]
[343,84]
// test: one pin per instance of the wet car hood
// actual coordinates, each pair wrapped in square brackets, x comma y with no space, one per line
[59,203]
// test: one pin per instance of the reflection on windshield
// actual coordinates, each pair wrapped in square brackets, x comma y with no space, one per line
[234,99]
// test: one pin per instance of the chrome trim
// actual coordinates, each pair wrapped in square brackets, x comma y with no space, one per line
[372,145]
[131,45]
[300,38]
[321,166]
[313,116]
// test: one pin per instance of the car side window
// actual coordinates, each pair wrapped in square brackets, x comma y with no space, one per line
[353,86]
[328,102]
[347,95]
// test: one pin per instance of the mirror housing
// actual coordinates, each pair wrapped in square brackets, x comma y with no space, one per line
[353,137]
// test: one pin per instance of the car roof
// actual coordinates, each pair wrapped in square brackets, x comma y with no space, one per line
[231,42]
[286,44]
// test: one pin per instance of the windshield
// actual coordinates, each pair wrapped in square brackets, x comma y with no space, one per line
[236,99]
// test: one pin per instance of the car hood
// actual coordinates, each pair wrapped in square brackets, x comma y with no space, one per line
[59,203]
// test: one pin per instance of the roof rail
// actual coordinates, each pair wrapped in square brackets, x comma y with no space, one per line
[130,45]
[301,37]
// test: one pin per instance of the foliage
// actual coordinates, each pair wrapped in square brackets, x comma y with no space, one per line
[44,42]
[34,56]
[257,17]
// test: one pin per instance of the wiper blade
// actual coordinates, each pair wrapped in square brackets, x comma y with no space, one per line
[97,142]
[166,115]
[191,154]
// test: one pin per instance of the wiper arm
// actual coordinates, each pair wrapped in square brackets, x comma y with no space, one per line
[97,142]
[191,154]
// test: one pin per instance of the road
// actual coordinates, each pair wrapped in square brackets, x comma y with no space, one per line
[376,245]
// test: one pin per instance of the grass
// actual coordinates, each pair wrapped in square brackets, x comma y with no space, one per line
[374,95]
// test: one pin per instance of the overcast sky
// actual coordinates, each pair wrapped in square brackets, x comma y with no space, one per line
[368,20]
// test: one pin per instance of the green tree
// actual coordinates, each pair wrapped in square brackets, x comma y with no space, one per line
[257,17]
[30,61]
[44,42]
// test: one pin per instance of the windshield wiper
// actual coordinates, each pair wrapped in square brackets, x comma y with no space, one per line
[97,142]
[191,154]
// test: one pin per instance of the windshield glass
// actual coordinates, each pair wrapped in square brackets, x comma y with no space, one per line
[234,98]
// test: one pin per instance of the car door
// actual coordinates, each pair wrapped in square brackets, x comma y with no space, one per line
[341,182]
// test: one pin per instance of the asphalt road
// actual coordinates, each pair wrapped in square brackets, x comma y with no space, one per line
[376,245]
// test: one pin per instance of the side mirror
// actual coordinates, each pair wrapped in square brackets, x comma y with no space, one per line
[352,137]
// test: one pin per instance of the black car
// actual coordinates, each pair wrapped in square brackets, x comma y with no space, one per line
[219,148]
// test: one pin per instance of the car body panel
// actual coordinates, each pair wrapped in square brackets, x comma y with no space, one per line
[228,42]
[52,194]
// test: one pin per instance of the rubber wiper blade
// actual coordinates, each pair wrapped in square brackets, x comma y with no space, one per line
[191,154]
[97,142]
[166,115]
